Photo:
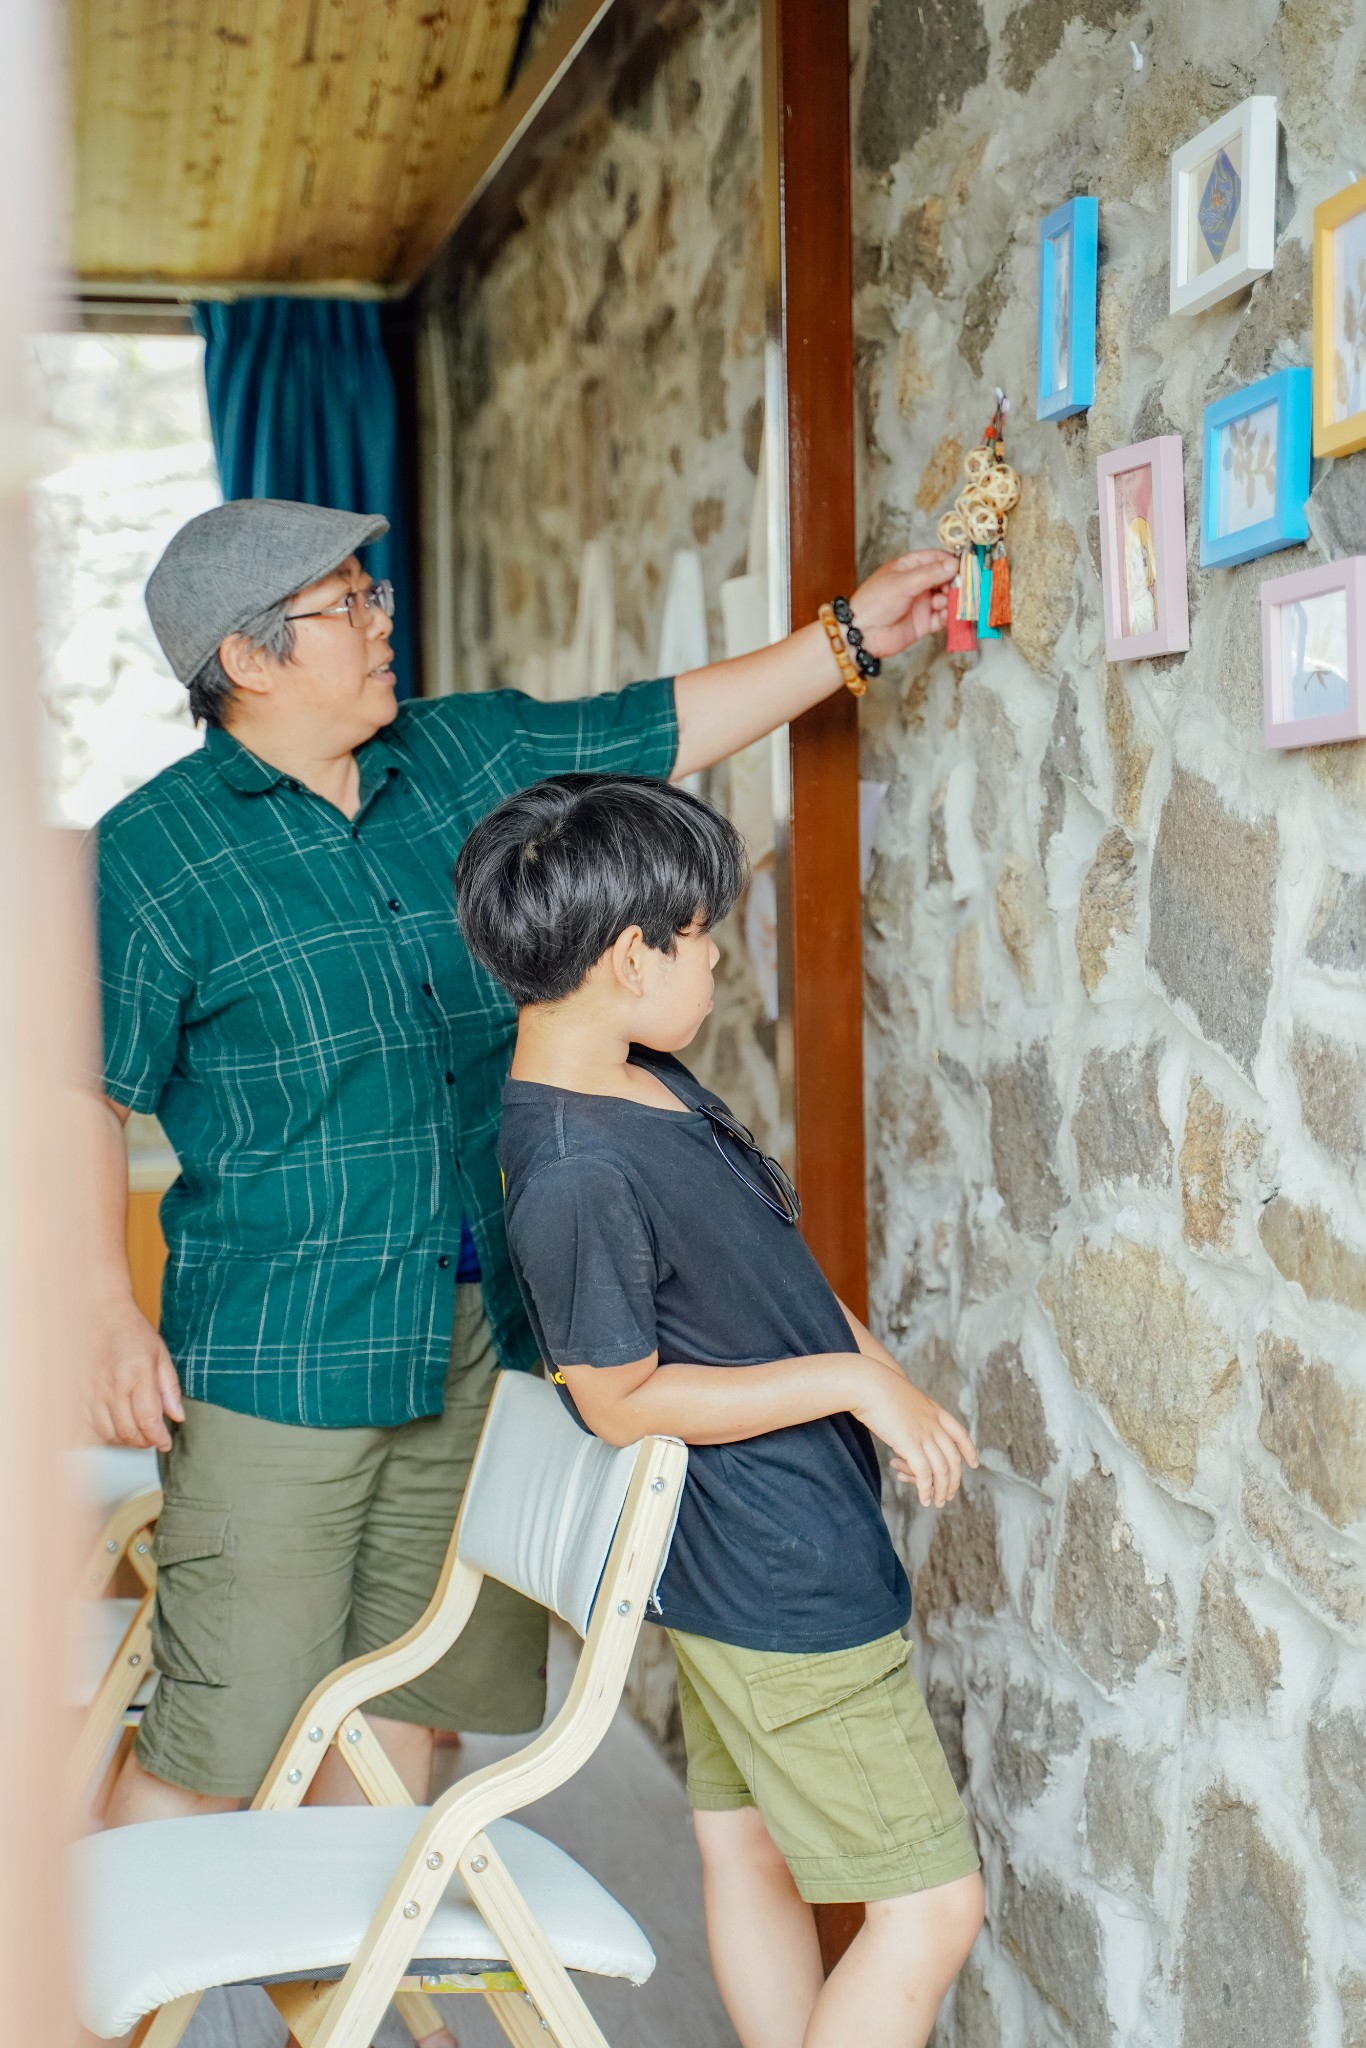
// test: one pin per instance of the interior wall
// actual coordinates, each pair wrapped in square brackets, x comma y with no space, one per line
[1117,1060]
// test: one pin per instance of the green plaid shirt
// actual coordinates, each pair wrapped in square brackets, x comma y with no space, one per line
[287,989]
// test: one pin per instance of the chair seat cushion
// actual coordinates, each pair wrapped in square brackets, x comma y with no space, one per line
[182,1905]
[101,1626]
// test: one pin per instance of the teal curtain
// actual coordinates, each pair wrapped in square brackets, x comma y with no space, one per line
[302,405]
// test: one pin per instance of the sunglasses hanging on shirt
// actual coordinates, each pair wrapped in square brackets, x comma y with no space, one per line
[771,1185]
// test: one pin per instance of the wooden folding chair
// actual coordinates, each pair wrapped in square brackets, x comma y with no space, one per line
[336,1910]
[114,1634]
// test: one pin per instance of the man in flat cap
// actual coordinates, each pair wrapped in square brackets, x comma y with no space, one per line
[285,986]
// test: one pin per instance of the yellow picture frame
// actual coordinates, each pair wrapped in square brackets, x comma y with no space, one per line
[1332,435]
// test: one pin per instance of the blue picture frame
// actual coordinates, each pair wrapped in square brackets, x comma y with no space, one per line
[1069,240]
[1284,520]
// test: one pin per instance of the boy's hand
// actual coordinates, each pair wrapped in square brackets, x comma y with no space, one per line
[904,600]
[928,1445]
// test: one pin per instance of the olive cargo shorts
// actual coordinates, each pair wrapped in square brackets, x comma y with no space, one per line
[838,1752]
[283,1551]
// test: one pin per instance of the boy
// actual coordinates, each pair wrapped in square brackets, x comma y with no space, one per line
[671,1293]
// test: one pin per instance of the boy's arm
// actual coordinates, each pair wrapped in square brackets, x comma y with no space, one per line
[871,1347]
[708,1404]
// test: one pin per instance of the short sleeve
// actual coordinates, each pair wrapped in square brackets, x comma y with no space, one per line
[586,1256]
[622,732]
[142,995]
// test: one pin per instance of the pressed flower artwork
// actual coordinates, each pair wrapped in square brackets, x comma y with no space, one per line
[1340,322]
[1256,480]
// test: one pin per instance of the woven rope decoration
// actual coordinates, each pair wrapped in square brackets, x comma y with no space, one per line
[978,522]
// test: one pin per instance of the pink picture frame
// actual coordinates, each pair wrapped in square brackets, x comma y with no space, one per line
[1143,549]
[1314,655]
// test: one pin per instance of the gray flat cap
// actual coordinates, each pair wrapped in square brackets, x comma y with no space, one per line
[223,569]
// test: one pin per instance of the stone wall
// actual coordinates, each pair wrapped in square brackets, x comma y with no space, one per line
[1117,1063]
[1115,957]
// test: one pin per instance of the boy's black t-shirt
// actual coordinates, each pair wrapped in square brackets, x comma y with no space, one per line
[629,1234]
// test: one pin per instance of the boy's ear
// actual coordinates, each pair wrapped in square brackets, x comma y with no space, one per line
[627,960]
[247,667]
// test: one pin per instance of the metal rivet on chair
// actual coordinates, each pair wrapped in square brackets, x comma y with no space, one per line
[111,1546]
[354,1734]
[623,1607]
[435,1859]
[411,1910]
[480,1863]
[656,1486]
[142,1549]
[315,1734]
[135,1659]
[294,1775]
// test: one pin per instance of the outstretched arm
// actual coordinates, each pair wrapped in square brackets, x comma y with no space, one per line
[724,706]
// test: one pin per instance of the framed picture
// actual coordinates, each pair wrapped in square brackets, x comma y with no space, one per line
[1224,206]
[1340,322]
[1143,550]
[1312,655]
[1067,309]
[1256,476]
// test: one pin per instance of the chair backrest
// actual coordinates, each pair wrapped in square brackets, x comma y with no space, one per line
[543,1500]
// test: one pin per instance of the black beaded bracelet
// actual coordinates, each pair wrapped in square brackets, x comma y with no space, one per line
[868,664]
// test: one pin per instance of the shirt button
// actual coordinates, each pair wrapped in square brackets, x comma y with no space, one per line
[393,903]
[443,1262]
[450,1078]
[293,784]
[355,831]
[426,988]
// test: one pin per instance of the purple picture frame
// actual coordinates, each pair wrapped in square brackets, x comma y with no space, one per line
[1336,665]
[1161,551]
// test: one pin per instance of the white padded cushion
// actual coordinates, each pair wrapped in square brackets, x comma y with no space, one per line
[182,1905]
[105,1474]
[100,1627]
[544,1499]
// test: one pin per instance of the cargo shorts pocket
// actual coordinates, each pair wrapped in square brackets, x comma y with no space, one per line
[192,1616]
[839,1725]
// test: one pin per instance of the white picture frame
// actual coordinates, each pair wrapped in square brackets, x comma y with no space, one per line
[1223,206]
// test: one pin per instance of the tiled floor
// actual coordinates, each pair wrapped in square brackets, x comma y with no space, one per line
[625,1818]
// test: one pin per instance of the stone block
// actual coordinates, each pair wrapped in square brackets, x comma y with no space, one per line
[1328,1573]
[1024,1133]
[1117,1127]
[916,251]
[1130,754]
[1034,1729]
[1107,906]
[1316,1425]
[976,2023]
[1054,1936]
[1331,1079]
[1234,1664]
[1063,763]
[1338,940]
[1213,912]
[652,1694]
[1335,1751]
[962,1568]
[1214,1150]
[1337,510]
[1135,1336]
[1123,1829]
[1352,1999]
[1109,1610]
[1010,1415]
[965,974]
[1244,1941]
[1306,1248]
[908,86]
[1033,33]
[914,378]
[1021,913]
[946,1711]
[1043,558]
[1277,324]
[940,478]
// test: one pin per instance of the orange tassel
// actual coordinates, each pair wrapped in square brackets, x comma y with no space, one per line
[1000,592]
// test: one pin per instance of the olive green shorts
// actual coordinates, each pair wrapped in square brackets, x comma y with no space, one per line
[283,1551]
[838,1753]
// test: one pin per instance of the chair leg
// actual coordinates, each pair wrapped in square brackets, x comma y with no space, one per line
[166,2027]
[302,2007]
[418,2013]
[568,2021]
[518,2018]
[117,1689]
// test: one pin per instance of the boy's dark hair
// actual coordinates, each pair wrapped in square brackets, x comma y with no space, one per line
[553,877]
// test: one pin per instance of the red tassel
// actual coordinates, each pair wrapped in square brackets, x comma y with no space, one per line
[961,634]
[1000,592]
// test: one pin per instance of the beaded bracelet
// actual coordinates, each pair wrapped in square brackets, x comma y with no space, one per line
[868,664]
[847,666]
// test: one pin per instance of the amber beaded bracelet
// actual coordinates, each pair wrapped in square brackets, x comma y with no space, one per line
[852,669]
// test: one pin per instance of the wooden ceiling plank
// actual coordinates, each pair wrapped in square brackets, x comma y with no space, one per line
[440,140]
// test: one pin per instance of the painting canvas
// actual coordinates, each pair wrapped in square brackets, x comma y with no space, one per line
[1143,550]
[1223,218]
[1349,317]
[1312,627]
[1246,457]
[1138,559]
[1256,478]
[1340,322]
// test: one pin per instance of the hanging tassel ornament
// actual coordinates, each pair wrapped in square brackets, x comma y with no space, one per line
[975,531]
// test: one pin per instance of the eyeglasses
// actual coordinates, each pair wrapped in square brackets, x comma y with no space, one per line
[357,604]
[777,1192]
